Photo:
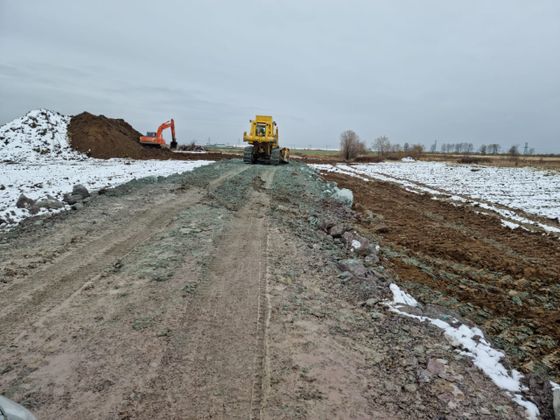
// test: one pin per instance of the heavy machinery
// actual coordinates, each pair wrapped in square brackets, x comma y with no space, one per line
[263,140]
[156,139]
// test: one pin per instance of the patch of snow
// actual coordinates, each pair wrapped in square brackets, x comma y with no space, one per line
[408,159]
[475,346]
[37,136]
[400,297]
[510,225]
[355,244]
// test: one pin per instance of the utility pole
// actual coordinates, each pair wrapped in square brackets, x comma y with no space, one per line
[525,151]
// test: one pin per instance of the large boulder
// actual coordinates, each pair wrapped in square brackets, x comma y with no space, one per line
[27,203]
[356,243]
[79,193]
[338,230]
[50,203]
[344,195]
[80,190]
[354,266]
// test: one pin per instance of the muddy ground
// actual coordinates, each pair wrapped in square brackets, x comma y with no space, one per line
[218,294]
[502,279]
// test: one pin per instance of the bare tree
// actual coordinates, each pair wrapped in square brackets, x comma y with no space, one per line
[351,145]
[416,150]
[483,149]
[493,149]
[396,148]
[513,151]
[382,145]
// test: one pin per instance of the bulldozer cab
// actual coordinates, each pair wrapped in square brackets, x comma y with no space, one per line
[261,129]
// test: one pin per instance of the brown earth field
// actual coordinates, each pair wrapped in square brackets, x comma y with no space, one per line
[504,280]
[104,138]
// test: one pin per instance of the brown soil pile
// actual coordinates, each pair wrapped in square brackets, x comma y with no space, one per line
[105,138]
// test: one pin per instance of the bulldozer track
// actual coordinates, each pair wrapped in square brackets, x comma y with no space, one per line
[220,349]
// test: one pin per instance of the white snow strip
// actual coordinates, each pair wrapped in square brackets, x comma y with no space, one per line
[510,225]
[475,346]
[554,385]
[400,297]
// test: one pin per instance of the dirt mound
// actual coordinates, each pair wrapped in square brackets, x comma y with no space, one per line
[104,138]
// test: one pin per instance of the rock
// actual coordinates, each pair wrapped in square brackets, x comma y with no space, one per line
[27,203]
[325,225]
[49,203]
[371,260]
[80,190]
[371,302]
[337,230]
[423,376]
[344,195]
[376,315]
[345,276]
[2,187]
[24,202]
[381,228]
[356,243]
[354,266]
[71,198]
[410,387]
[368,216]
[436,366]
[77,206]
[556,403]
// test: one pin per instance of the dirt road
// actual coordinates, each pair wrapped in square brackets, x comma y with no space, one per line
[214,294]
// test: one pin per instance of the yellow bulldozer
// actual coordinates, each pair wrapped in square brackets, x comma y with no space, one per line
[263,140]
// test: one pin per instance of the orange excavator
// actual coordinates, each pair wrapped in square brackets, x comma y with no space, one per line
[156,139]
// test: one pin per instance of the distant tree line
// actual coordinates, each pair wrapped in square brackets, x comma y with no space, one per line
[351,146]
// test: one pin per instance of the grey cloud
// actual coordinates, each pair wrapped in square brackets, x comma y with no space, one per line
[474,71]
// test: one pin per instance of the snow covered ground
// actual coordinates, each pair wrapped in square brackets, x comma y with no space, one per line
[37,160]
[36,180]
[531,190]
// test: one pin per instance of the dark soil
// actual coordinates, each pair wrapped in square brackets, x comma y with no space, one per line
[104,138]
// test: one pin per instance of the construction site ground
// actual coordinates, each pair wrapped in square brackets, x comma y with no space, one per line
[215,294]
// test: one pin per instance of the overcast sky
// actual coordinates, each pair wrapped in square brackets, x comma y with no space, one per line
[475,71]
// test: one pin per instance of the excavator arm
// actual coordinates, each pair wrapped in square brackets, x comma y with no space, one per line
[165,125]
